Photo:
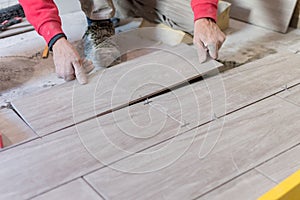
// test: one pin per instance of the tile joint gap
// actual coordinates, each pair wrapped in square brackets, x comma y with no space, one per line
[265,175]
[53,188]
[288,101]
[91,186]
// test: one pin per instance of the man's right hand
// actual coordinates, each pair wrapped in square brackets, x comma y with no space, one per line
[68,64]
[208,38]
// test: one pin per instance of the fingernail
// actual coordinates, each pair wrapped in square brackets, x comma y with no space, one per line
[82,81]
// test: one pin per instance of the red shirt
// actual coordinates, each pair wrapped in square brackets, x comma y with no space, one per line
[43,14]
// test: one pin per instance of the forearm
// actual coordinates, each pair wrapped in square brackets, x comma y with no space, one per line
[205,9]
[43,15]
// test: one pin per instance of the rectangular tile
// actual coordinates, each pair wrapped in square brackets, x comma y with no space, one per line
[13,129]
[219,94]
[40,165]
[274,15]
[115,87]
[77,189]
[195,162]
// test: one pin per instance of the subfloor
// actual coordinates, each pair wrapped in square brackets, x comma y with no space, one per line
[234,135]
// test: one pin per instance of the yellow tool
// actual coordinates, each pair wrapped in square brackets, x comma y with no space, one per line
[45,52]
[289,189]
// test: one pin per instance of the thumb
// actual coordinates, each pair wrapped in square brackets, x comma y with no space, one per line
[87,65]
[80,73]
[202,52]
[213,50]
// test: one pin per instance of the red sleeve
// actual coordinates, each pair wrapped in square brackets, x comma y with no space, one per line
[43,15]
[205,8]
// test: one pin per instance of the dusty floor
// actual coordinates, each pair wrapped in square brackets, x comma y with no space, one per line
[23,71]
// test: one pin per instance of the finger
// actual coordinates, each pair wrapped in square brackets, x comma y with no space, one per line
[87,65]
[67,73]
[202,51]
[69,77]
[80,73]
[59,75]
[220,43]
[213,50]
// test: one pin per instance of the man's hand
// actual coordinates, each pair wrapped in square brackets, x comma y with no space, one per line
[208,38]
[68,64]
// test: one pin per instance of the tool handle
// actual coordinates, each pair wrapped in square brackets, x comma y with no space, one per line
[1,142]
[4,25]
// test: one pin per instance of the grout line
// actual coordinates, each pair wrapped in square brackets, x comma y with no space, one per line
[288,101]
[91,186]
[265,175]
[234,163]
[279,154]
[257,101]
[20,144]
[19,115]
[10,106]
[49,190]
[67,182]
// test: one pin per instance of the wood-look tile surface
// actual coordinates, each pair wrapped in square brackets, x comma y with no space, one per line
[77,189]
[188,166]
[132,129]
[219,94]
[40,165]
[142,125]
[249,186]
[283,166]
[69,103]
[292,95]
[288,163]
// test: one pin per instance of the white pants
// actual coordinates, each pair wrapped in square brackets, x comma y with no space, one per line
[175,13]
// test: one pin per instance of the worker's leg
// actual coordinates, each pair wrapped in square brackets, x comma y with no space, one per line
[174,13]
[98,47]
[98,9]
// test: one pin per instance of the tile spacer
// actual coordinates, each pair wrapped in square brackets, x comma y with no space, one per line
[215,117]
[147,101]
[185,124]
[285,87]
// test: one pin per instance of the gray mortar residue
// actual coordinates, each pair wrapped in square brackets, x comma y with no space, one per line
[245,56]
[15,71]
